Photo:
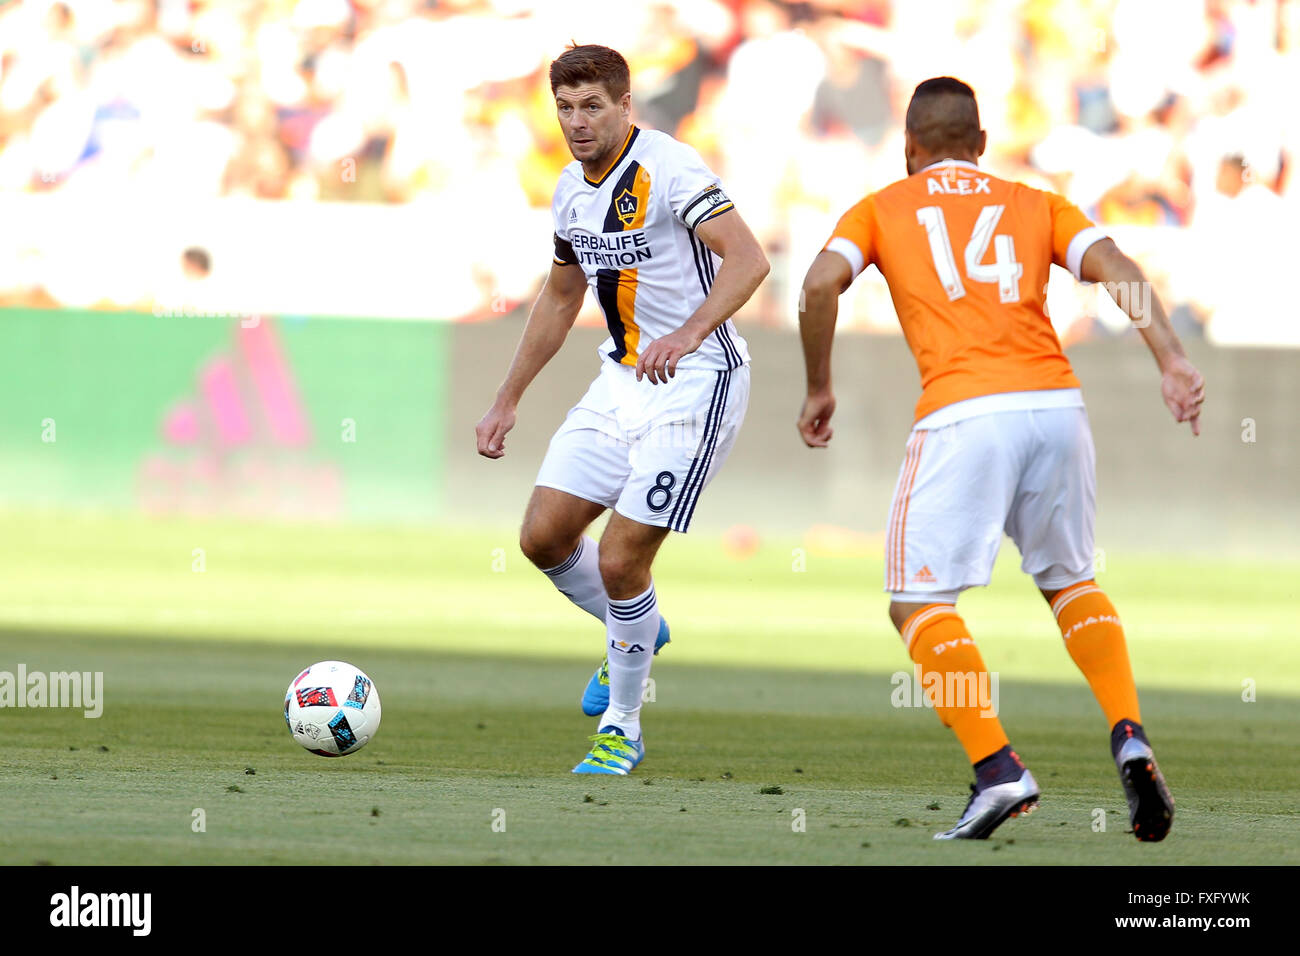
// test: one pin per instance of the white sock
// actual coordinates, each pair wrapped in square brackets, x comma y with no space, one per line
[578,579]
[632,627]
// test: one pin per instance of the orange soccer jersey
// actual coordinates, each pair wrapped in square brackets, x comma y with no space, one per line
[966,256]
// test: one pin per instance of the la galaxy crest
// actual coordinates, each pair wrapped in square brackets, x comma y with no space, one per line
[625,207]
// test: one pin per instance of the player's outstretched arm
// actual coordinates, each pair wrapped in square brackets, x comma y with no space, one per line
[744,266]
[1181,385]
[548,324]
[828,276]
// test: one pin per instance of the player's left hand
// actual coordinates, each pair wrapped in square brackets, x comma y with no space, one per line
[1183,388]
[815,419]
[658,360]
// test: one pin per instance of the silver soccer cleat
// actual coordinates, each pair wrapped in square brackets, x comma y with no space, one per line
[1150,805]
[988,808]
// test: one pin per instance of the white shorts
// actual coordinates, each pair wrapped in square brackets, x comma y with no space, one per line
[648,450]
[1030,473]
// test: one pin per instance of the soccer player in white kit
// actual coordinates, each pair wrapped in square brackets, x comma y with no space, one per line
[643,221]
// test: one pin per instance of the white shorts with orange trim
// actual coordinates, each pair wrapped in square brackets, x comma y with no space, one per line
[1029,473]
[648,450]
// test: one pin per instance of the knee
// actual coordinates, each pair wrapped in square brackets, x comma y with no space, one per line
[622,575]
[541,549]
[900,612]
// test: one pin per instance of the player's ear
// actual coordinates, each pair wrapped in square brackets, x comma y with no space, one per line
[984,141]
[625,103]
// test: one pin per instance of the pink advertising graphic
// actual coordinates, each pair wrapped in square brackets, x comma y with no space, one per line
[242,443]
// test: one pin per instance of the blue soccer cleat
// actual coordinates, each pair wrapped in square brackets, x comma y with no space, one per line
[595,698]
[612,753]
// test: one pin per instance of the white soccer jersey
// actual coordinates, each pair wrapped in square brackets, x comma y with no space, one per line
[633,233]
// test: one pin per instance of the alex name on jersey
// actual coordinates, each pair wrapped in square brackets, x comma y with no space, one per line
[632,232]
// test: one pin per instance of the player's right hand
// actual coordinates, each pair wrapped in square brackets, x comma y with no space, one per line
[814,420]
[491,431]
[1183,389]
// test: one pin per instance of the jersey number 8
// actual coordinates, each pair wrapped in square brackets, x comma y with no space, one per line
[658,497]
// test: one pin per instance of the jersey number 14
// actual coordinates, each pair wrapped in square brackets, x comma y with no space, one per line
[1004,270]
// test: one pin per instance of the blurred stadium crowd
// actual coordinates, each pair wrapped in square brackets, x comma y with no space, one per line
[1172,122]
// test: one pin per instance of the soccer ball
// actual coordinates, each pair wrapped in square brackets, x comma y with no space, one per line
[332,709]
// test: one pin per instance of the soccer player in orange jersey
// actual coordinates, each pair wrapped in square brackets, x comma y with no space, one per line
[1001,440]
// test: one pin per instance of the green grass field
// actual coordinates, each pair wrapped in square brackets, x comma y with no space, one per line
[777,680]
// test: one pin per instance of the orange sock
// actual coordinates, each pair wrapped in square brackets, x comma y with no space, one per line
[1095,640]
[937,640]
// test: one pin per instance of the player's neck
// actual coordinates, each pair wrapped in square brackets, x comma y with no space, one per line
[924,162]
[598,166]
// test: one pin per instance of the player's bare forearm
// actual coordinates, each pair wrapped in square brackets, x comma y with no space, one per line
[744,266]
[818,310]
[1181,384]
[738,278]
[548,325]
[817,334]
[819,299]
[1127,284]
